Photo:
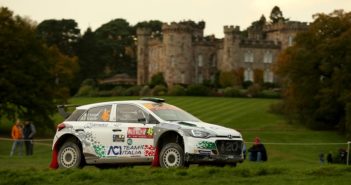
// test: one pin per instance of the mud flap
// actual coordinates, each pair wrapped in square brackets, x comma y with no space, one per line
[156,161]
[54,162]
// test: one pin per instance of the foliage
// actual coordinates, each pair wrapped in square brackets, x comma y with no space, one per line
[157,79]
[33,77]
[227,79]
[198,90]
[277,15]
[132,91]
[159,90]
[114,43]
[254,90]
[87,90]
[317,72]
[154,25]
[145,91]
[63,34]
[176,90]
[232,92]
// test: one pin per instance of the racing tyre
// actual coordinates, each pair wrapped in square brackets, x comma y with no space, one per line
[172,156]
[70,156]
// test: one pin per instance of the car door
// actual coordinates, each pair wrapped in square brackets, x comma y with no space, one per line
[98,129]
[137,133]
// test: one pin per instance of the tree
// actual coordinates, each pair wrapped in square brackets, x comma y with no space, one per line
[317,72]
[28,72]
[157,79]
[115,40]
[277,15]
[62,33]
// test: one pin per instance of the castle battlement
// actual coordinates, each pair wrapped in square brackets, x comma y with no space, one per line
[259,44]
[231,29]
[291,25]
[185,26]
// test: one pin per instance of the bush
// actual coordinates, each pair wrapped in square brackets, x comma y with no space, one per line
[117,91]
[232,92]
[87,90]
[145,91]
[198,90]
[159,90]
[104,93]
[254,90]
[132,91]
[269,94]
[177,90]
[88,82]
[157,79]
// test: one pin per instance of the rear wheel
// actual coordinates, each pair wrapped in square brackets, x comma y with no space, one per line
[70,156]
[172,156]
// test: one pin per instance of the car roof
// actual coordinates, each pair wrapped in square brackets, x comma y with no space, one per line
[137,102]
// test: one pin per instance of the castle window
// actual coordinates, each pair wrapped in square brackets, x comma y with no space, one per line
[290,40]
[200,61]
[268,57]
[249,56]
[213,61]
[268,76]
[200,79]
[248,75]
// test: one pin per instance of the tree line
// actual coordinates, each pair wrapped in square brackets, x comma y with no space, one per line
[42,65]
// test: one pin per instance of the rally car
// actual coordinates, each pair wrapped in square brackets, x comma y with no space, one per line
[141,132]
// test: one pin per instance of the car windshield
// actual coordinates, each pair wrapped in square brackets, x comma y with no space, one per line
[169,112]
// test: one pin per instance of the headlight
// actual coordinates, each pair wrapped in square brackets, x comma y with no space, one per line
[198,133]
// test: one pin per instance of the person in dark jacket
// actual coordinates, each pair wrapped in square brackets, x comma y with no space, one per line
[28,134]
[258,151]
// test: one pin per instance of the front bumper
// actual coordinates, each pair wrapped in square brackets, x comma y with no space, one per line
[217,150]
[200,158]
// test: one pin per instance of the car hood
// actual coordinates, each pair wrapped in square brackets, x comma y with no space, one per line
[214,129]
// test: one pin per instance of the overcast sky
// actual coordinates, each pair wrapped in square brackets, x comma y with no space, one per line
[216,13]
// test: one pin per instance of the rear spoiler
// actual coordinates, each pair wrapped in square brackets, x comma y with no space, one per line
[62,110]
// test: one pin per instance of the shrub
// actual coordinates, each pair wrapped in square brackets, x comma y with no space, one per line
[177,90]
[104,93]
[159,90]
[198,90]
[117,91]
[254,90]
[88,82]
[157,79]
[232,92]
[87,90]
[132,91]
[145,91]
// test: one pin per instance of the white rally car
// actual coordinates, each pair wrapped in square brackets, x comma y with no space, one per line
[141,132]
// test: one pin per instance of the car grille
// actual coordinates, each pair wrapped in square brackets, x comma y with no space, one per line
[227,147]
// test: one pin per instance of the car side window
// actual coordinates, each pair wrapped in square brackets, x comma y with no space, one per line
[130,114]
[97,114]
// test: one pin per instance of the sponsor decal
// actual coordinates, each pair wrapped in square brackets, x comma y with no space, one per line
[99,150]
[118,138]
[126,150]
[149,150]
[130,141]
[206,145]
[136,132]
[133,150]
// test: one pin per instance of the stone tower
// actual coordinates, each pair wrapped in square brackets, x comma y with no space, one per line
[178,50]
[143,35]
[230,48]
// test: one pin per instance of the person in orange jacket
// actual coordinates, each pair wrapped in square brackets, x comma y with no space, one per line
[17,136]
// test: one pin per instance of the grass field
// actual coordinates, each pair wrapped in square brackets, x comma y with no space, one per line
[287,164]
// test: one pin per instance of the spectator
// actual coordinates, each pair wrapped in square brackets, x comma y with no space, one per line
[17,136]
[330,158]
[257,151]
[28,133]
[321,158]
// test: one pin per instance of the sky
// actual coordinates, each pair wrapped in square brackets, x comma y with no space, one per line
[216,13]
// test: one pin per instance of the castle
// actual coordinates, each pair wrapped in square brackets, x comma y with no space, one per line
[185,56]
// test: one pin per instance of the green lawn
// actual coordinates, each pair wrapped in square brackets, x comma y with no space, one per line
[287,164]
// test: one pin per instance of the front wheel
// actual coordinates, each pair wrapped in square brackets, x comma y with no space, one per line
[172,156]
[70,156]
